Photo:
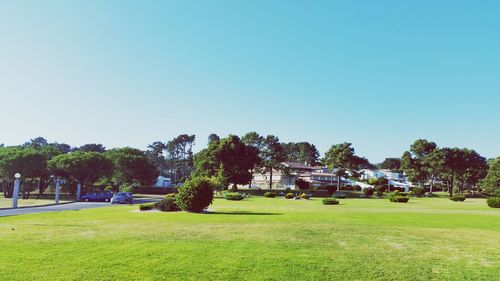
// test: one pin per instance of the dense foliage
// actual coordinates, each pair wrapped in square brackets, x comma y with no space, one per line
[167,204]
[196,194]
[491,182]
[229,157]
[457,197]
[85,167]
[330,201]
[131,166]
[270,194]
[233,196]
[493,202]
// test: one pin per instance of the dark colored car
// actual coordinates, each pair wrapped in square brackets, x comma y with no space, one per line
[97,196]
[122,198]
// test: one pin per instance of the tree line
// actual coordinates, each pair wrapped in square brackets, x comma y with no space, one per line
[233,160]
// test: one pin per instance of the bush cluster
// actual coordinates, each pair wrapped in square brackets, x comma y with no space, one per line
[147,206]
[493,202]
[234,196]
[458,197]
[330,201]
[270,194]
[289,195]
[305,196]
[196,194]
[399,198]
[418,191]
[167,205]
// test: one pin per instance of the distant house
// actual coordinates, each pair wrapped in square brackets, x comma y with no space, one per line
[377,174]
[317,176]
[395,179]
[162,181]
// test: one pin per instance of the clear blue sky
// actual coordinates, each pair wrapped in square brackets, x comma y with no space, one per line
[379,74]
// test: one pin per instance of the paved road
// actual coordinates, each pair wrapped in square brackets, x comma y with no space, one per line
[64,207]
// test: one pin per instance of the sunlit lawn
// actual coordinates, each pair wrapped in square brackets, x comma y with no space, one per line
[7,202]
[259,239]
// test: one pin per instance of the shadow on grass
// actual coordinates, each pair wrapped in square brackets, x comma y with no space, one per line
[242,213]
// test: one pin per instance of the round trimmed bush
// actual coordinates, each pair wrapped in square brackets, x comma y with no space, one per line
[305,196]
[167,205]
[396,198]
[458,197]
[493,202]
[195,195]
[233,196]
[147,206]
[270,194]
[330,201]
[418,191]
[289,195]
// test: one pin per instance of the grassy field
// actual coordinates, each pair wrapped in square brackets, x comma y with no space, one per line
[7,202]
[259,239]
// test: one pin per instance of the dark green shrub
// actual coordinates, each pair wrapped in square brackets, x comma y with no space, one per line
[458,197]
[368,191]
[195,195]
[234,188]
[418,191]
[270,194]
[330,201]
[147,206]
[234,196]
[289,195]
[167,205]
[288,190]
[399,199]
[493,202]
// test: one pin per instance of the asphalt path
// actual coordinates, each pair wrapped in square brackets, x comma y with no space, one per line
[65,207]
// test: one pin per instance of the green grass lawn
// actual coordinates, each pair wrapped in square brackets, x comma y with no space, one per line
[7,202]
[259,239]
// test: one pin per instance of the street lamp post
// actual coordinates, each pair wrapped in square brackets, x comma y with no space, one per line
[15,193]
[58,182]
[78,191]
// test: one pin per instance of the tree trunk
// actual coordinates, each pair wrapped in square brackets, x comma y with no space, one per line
[338,183]
[41,187]
[432,184]
[450,188]
[271,178]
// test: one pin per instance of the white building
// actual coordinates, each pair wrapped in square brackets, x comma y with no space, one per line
[162,181]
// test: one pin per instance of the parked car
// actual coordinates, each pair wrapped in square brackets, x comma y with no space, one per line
[97,196]
[122,198]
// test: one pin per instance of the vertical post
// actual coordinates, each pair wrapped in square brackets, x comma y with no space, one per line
[15,193]
[78,191]
[58,187]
